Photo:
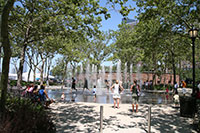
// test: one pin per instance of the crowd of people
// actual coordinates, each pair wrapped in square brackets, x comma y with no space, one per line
[116,89]
[40,94]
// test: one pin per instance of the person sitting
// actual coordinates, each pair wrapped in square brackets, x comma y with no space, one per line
[43,96]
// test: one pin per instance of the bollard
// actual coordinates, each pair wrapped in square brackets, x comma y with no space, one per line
[149,119]
[101,119]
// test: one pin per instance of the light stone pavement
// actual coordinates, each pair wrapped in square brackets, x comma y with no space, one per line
[84,118]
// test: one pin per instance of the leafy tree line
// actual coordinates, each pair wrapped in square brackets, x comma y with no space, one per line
[39,29]
[160,38]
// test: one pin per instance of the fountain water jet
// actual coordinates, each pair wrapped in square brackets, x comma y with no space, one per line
[87,74]
[138,75]
[119,70]
[125,74]
[131,73]
[110,75]
[103,76]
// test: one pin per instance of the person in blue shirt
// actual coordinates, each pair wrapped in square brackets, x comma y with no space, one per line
[43,96]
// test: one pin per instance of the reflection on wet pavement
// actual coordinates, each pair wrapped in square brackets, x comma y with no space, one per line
[106,97]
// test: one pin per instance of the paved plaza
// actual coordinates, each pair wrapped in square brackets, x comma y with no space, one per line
[85,117]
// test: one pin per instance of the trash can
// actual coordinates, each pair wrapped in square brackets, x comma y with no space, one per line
[187,106]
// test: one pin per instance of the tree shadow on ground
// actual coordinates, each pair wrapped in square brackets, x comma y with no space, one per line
[66,118]
[75,117]
[162,120]
[171,122]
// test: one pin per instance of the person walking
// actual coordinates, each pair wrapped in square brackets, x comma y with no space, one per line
[85,84]
[135,90]
[73,84]
[176,88]
[116,90]
[184,87]
[107,85]
[94,91]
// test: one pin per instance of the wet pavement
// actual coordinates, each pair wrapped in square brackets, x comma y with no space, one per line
[104,96]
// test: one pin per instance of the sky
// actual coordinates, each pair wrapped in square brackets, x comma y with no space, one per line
[116,18]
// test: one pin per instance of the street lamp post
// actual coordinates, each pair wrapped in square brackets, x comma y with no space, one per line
[193,34]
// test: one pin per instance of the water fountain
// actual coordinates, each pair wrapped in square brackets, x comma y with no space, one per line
[103,76]
[102,95]
[110,75]
[95,75]
[138,75]
[119,70]
[99,80]
[131,73]
[125,75]
[88,74]
[81,79]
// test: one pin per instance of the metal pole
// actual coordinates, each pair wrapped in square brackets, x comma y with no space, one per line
[149,119]
[193,65]
[101,119]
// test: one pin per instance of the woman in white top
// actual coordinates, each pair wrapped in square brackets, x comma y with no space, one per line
[116,92]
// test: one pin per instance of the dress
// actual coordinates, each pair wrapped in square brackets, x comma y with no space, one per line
[116,94]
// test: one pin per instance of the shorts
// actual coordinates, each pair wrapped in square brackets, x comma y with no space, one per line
[135,99]
[116,96]
[73,86]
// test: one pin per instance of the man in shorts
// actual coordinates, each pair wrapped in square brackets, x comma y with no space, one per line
[135,89]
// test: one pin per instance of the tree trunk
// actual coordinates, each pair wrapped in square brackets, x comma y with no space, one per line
[0,61]
[22,57]
[64,75]
[21,66]
[34,74]
[42,72]
[48,69]
[30,64]
[7,52]
[29,73]
[174,68]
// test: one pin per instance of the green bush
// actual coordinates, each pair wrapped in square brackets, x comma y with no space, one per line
[24,83]
[24,116]
[162,87]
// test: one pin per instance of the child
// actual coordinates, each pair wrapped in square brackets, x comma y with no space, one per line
[94,92]
[176,100]
[63,96]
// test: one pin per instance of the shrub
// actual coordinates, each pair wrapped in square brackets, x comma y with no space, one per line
[23,116]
